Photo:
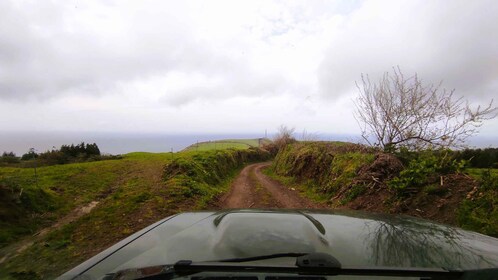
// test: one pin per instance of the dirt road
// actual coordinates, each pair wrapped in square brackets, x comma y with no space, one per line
[253,189]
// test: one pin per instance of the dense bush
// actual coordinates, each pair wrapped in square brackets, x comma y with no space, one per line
[479,158]
[479,211]
[66,154]
[82,149]
[424,168]
[9,157]
[70,153]
[30,155]
[53,157]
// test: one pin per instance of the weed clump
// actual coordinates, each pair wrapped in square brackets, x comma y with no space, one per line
[479,211]
[423,169]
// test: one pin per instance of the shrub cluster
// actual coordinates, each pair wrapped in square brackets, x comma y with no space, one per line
[479,212]
[479,158]
[70,153]
[424,168]
[9,157]
[66,154]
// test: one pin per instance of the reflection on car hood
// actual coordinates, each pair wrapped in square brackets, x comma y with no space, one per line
[354,238]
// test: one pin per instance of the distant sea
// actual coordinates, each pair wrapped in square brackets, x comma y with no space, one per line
[121,143]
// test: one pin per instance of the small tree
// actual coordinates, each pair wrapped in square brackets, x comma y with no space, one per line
[30,155]
[402,112]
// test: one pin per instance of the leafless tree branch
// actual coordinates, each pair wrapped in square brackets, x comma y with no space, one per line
[399,111]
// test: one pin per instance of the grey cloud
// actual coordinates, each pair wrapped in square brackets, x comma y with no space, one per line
[249,84]
[47,50]
[42,58]
[451,41]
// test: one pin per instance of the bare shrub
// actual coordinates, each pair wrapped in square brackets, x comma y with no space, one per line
[309,136]
[284,136]
[399,112]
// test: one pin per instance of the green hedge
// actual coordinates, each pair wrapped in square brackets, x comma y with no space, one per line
[200,174]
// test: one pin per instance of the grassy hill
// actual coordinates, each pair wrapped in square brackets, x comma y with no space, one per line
[227,144]
[124,196]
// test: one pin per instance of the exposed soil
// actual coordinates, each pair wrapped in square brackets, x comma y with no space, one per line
[440,206]
[253,189]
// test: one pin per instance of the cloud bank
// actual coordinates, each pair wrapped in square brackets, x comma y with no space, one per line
[126,65]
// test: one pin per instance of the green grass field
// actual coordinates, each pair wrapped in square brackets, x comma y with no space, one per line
[132,193]
[227,144]
[478,172]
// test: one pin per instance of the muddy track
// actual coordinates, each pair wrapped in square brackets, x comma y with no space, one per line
[253,189]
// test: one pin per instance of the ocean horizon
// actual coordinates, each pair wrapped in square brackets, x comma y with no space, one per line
[122,143]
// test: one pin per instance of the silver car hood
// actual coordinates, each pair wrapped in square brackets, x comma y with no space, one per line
[354,238]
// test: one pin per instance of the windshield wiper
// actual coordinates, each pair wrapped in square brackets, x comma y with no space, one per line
[264,257]
[306,264]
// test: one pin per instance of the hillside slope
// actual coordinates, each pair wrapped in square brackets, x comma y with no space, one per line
[126,195]
[355,177]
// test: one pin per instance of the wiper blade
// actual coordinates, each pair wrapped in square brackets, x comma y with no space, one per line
[264,257]
[306,264]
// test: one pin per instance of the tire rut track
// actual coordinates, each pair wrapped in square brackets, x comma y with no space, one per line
[253,189]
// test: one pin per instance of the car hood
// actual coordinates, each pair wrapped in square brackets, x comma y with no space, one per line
[354,238]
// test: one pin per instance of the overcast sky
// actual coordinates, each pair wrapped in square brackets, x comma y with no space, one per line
[229,66]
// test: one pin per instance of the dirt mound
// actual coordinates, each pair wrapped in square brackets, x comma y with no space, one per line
[384,167]
[369,180]
[439,204]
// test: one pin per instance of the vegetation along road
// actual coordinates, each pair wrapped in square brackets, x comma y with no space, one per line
[69,211]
